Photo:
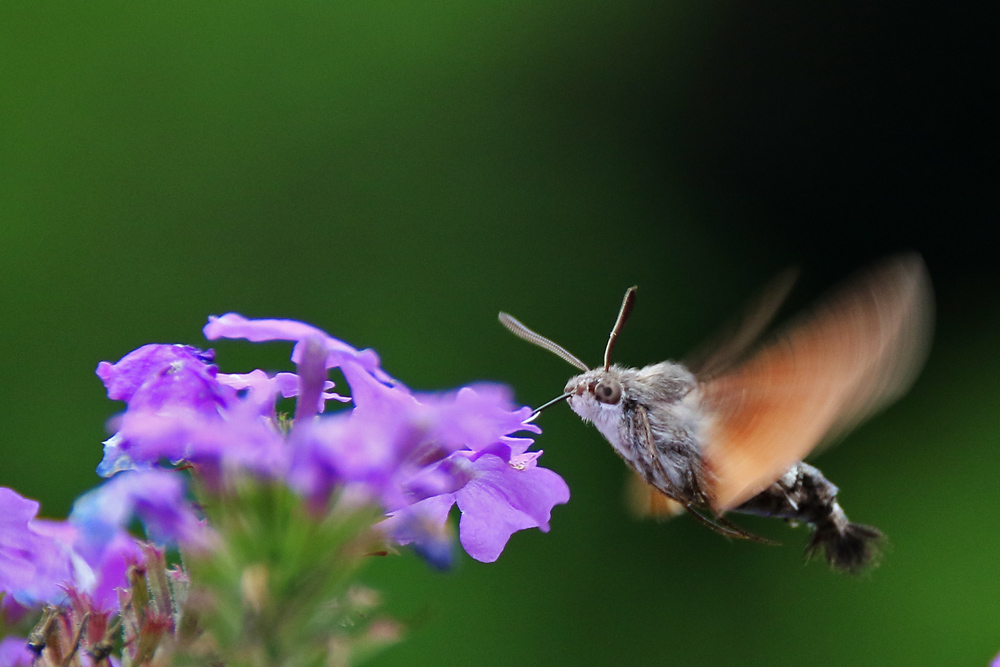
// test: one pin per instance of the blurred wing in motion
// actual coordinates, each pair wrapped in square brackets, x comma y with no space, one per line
[644,501]
[728,346]
[824,373]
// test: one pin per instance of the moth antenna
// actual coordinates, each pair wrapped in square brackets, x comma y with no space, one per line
[623,314]
[527,334]
[538,410]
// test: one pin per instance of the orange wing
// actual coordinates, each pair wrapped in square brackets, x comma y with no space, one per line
[644,500]
[822,375]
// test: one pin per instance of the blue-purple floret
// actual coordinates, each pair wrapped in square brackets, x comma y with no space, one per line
[155,496]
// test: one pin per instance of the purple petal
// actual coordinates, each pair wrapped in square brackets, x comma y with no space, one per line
[57,566]
[312,373]
[234,325]
[12,611]
[33,563]
[424,525]
[117,457]
[241,438]
[289,385]
[503,498]
[445,477]
[157,375]
[110,567]
[342,449]
[477,417]
[122,379]
[369,393]
[15,513]
[261,390]
[14,652]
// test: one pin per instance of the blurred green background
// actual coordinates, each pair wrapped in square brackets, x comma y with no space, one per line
[396,173]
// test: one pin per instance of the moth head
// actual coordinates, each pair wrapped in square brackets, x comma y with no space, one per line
[594,388]
[596,395]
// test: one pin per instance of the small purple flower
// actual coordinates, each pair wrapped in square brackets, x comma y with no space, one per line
[62,565]
[181,409]
[480,416]
[98,565]
[160,380]
[503,494]
[410,448]
[156,375]
[34,561]
[154,496]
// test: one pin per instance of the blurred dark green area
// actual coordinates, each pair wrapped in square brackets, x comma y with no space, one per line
[396,173]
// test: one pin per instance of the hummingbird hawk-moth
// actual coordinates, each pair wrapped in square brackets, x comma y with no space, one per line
[728,430]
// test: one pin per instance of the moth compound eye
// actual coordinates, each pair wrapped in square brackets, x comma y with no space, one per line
[608,391]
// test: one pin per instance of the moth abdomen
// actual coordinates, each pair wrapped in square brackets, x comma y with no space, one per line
[805,495]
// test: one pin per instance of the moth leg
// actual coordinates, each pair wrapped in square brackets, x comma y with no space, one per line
[723,527]
[651,469]
[693,497]
[744,534]
[683,459]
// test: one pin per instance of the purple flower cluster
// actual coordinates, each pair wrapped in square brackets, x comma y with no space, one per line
[414,455]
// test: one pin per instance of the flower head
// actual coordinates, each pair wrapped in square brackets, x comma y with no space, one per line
[397,448]
[291,498]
